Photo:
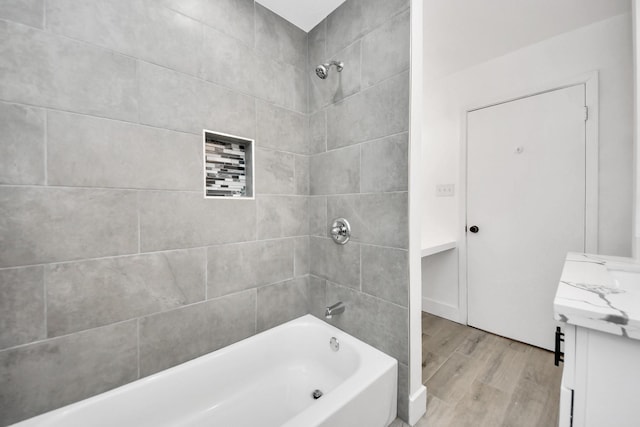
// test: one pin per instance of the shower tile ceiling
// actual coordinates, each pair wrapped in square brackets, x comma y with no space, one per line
[304,14]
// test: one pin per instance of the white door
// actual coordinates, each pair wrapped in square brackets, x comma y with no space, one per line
[526,196]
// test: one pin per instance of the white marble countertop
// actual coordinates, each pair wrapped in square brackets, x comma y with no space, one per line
[589,296]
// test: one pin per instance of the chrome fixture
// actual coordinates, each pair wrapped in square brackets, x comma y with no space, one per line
[337,308]
[340,231]
[322,70]
[316,394]
[334,344]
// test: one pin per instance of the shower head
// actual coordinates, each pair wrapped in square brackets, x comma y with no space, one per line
[322,70]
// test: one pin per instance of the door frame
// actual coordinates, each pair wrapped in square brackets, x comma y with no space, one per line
[590,80]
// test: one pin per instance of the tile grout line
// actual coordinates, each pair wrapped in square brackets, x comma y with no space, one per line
[255,312]
[280,62]
[206,274]
[294,256]
[199,133]
[138,98]
[161,251]
[360,266]
[352,289]
[138,214]
[69,334]
[137,319]
[46,302]
[138,343]
[46,148]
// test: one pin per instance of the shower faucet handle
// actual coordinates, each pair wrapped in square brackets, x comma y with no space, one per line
[340,231]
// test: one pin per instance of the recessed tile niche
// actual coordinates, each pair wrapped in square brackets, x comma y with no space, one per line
[228,166]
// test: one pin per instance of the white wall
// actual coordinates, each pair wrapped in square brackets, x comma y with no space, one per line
[604,46]
[463,33]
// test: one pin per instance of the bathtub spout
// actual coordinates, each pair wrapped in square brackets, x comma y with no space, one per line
[337,308]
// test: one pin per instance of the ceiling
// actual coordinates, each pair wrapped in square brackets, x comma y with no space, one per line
[461,33]
[304,14]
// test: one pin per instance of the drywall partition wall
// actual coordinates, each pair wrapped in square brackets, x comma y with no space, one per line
[604,46]
[359,121]
[635,17]
[111,260]
[461,34]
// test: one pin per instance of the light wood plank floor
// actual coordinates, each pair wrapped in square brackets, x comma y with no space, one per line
[475,378]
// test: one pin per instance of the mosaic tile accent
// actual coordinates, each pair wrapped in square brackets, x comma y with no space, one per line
[228,163]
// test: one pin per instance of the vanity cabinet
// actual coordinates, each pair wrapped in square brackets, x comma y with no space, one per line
[600,380]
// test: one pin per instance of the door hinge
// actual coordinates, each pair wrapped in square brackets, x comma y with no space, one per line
[586,113]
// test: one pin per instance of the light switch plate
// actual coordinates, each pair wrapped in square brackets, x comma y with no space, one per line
[445,190]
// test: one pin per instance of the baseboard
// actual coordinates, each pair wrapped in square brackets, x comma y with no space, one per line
[417,405]
[440,309]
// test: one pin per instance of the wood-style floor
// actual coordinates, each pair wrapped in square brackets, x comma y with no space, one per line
[476,379]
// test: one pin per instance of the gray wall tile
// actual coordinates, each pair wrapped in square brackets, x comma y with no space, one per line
[233,17]
[386,51]
[28,12]
[275,172]
[377,218]
[21,144]
[228,61]
[317,45]
[385,164]
[282,216]
[354,18]
[338,85]
[282,302]
[301,256]
[282,129]
[379,111]
[92,152]
[281,83]
[317,294]
[379,323]
[43,376]
[385,273]
[39,225]
[88,294]
[278,38]
[318,132]
[233,268]
[338,263]
[335,172]
[105,59]
[43,69]
[232,112]
[318,223]
[174,220]
[302,175]
[140,28]
[385,219]
[301,92]
[169,99]
[176,336]
[21,306]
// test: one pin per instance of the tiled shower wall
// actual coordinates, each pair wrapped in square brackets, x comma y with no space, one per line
[359,122]
[112,265]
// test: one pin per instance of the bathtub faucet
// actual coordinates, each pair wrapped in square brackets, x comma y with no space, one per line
[337,308]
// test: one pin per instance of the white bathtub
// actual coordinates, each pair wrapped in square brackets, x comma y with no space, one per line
[266,380]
